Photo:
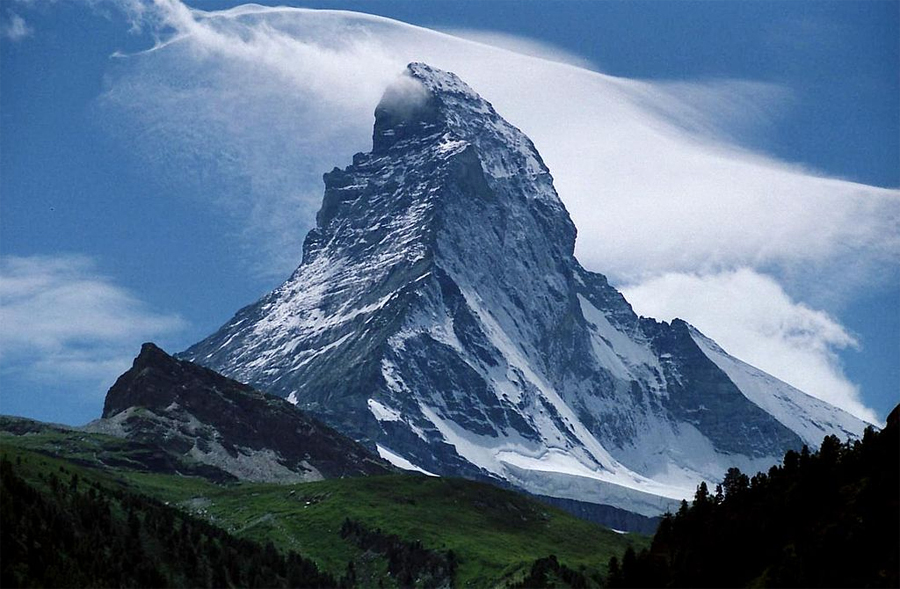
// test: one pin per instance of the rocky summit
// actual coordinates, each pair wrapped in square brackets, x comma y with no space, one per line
[439,316]
[202,417]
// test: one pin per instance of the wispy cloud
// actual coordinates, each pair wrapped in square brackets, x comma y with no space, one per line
[271,97]
[65,323]
[15,28]
[521,46]
[249,106]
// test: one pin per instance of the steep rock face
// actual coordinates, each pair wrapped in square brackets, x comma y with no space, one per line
[439,316]
[194,412]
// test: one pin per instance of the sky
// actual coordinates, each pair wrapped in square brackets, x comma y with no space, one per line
[731,163]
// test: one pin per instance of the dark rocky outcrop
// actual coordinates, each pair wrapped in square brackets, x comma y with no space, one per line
[195,412]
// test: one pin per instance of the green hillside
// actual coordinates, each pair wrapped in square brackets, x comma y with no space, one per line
[396,529]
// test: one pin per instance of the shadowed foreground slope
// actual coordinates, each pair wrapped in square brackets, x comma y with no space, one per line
[64,530]
[824,519]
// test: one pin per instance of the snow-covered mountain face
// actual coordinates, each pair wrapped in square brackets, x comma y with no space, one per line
[440,316]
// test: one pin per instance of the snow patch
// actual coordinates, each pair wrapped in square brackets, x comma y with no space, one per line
[627,358]
[382,412]
[401,462]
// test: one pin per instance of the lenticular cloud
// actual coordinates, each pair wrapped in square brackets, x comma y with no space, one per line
[248,107]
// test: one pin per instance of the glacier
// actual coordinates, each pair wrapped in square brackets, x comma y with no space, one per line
[440,317]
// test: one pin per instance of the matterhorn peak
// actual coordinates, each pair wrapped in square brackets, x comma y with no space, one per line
[440,317]
[441,82]
[425,101]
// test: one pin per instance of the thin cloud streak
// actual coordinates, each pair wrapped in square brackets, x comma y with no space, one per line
[521,46]
[15,29]
[248,107]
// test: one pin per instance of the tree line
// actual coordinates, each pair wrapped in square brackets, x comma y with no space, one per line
[410,564]
[820,519]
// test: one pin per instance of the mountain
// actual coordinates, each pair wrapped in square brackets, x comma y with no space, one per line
[439,316]
[191,412]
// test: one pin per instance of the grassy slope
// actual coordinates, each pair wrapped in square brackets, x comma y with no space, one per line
[495,534]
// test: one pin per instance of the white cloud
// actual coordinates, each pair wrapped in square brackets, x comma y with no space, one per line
[752,318]
[248,107]
[62,321]
[522,46]
[15,29]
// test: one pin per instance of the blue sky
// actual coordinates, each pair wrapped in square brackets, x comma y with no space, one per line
[134,207]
